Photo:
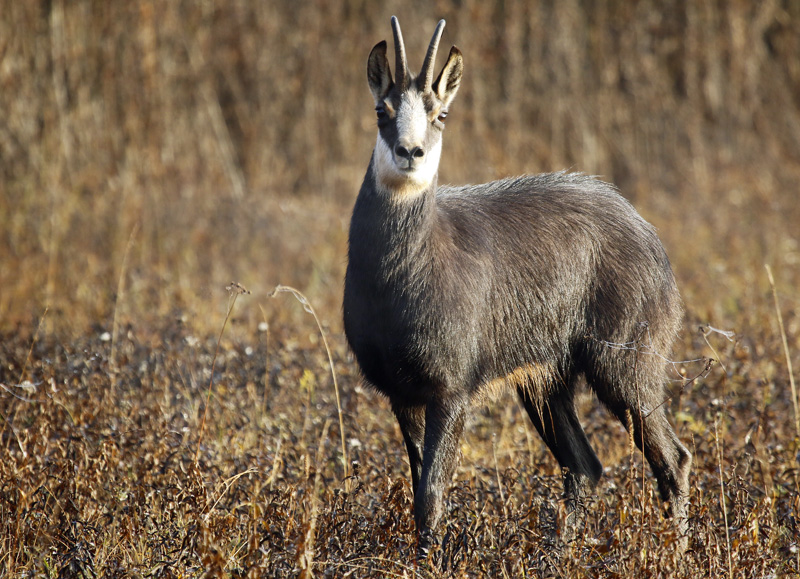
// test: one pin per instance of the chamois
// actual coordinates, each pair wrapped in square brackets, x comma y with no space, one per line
[530,283]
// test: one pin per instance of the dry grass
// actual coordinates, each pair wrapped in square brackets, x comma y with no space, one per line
[108,482]
[151,152]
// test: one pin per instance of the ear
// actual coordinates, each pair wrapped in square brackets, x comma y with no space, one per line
[378,74]
[446,85]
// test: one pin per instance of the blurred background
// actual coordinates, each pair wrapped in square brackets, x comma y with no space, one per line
[151,152]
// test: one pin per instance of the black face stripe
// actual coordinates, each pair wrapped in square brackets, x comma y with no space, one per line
[388,130]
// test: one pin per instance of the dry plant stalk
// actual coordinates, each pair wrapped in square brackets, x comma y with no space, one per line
[33,343]
[722,498]
[266,362]
[10,418]
[120,292]
[310,309]
[235,289]
[497,474]
[785,350]
[306,557]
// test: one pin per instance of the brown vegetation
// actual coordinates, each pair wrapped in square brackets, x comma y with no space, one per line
[152,152]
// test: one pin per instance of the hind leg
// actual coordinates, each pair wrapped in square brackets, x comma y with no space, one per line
[557,422]
[643,410]
[669,459]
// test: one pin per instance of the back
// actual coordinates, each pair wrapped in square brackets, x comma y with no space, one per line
[570,256]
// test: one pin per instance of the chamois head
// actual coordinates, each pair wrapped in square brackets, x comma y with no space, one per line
[411,112]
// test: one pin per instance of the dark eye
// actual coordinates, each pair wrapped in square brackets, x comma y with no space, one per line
[442,116]
[381,113]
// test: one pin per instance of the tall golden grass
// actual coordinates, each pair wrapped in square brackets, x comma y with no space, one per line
[234,135]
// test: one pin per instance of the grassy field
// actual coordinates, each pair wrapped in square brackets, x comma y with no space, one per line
[157,420]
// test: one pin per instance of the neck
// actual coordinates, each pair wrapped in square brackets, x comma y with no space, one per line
[390,225]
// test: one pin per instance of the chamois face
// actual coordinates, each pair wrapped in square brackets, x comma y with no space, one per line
[409,142]
[410,113]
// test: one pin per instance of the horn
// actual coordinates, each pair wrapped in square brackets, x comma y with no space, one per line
[401,65]
[430,57]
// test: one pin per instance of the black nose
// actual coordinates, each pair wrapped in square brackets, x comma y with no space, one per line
[415,153]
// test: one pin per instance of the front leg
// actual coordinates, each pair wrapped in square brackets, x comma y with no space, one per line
[412,424]
[444,425]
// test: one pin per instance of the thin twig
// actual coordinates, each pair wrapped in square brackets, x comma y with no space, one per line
[722,498]
[686,381]
[309,308]
[497,474]
[33,343]
[276,461]
[120,293]
[640,347]
[707,331]
[10,418]
[235,290]
[266,362]
[227,484]
[306,558]
[785,351]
